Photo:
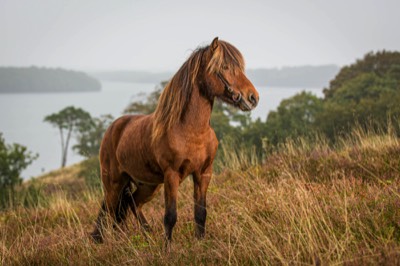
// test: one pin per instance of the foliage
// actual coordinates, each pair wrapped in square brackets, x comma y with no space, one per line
[149,105]
[382,64]
[89,140]
[228,121]
[295,116]
[364,94]
[69,120]
[31,195]
[13,160]
[90,171]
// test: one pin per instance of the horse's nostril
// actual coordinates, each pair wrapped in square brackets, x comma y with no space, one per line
[252,99]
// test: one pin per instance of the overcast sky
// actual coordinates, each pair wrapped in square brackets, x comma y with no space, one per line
[160,35]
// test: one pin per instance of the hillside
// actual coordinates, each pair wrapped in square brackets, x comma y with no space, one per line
[306,204]
[300,76]
[34,79]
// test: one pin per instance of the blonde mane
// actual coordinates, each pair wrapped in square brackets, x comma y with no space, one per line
[177,93]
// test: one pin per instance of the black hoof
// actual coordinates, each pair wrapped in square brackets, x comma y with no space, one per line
[96,237]
[146,228]
[200,232]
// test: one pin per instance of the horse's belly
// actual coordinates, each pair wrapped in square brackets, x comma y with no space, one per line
[146,173]
[148,179]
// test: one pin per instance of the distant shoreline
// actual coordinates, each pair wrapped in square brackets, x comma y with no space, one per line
[307,76]
[47,92]
[16,80]
[35,80]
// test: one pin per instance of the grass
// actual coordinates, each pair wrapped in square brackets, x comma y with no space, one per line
[306,204]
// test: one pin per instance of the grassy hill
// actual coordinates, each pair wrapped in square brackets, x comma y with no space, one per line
[305,204]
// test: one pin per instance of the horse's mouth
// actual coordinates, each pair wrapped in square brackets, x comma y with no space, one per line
[239,102]
[245,106]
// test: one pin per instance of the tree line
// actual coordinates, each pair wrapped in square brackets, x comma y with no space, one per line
[364,94]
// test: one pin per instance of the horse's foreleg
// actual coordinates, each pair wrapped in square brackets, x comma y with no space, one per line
[171,184]
[200,208]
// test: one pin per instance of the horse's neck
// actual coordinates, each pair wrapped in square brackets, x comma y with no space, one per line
[198,114]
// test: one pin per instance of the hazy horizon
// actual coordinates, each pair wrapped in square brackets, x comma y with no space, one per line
[98,35]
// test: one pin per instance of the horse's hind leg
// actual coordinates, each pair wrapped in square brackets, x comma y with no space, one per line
[122,210]
[97,234]
[143,194]
[115,204]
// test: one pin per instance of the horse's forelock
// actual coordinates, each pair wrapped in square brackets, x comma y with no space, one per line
[226,54]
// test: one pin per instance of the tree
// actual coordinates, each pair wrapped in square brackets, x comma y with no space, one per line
[89,141]
[363,100]
[384,63]
[295,116]
[149,105]
[69,121]
[13,160]
[365,94]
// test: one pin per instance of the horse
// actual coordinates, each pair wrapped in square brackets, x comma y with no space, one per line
[163,148]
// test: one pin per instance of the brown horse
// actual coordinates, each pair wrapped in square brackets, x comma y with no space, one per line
[173,142]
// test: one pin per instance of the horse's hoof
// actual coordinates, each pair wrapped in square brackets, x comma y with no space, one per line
[147,228]
[96,237]
[200,233]
[167,247]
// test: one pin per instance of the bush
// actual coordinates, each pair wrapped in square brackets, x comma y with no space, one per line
[13,160]
[90,171]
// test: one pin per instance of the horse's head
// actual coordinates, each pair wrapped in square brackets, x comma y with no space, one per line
[225,75]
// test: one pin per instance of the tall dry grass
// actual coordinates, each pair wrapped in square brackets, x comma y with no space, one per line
[308,203]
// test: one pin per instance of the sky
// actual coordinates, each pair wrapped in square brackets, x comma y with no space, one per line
[159,35]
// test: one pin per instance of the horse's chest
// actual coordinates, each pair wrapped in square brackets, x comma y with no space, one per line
[193,160]
[187,154]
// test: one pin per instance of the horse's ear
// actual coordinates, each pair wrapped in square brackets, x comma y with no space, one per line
[214,44]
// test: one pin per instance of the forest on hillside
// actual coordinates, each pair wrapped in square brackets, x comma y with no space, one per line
[34,79]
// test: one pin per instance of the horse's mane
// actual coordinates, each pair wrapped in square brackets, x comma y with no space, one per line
[176,95]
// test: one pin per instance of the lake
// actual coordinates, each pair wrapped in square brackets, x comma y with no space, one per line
[21,116]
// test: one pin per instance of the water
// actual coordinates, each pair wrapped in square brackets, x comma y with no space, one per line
[21,116]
